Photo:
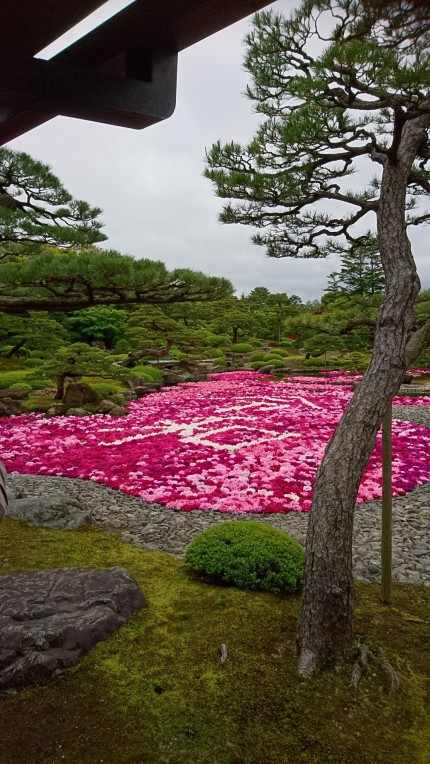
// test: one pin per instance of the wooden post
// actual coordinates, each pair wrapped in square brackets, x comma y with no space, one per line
[386,535]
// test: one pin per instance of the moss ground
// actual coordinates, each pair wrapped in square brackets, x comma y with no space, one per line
[157,693]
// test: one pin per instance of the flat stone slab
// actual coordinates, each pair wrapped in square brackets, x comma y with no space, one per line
[54,511]
[49,619]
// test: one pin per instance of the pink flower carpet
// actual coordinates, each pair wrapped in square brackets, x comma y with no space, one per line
[240,442]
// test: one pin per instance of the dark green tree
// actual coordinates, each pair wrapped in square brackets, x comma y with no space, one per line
[36,331]
[35,209]
[361,271]
[234,317]
[81,279]
[76,360]
[338,84]
[102,323]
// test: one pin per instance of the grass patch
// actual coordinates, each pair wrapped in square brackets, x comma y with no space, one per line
[157,693]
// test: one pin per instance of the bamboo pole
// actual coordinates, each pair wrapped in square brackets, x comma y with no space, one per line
[386,534]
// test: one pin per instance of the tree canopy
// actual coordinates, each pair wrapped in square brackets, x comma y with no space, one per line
[361,271]
[81,279]
[324,117]
[35,208]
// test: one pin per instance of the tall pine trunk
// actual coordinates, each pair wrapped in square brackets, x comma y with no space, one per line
[324,632]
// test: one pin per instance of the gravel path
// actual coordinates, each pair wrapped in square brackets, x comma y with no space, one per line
[152,526]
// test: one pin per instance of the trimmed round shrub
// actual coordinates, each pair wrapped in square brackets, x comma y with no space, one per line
[258,356]
[9,378]
[32,363]
[174,352]
[242,347]
[276,361]
[278,351]
[315,362]
[21,386]
[150,372]
[249,555]
[122,346]
[39,383]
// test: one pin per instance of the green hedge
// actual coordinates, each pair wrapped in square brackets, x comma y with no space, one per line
[9,378]
[250,555]
[149,372]
[242,347]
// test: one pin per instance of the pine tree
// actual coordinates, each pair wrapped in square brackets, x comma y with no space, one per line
[337,84]
[361,271]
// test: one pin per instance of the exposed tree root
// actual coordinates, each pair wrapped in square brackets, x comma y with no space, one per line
[377,658]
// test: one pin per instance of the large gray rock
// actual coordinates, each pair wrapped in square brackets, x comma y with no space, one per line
[9,407]
[111,408]
[50,618]
[79,393]
[52,511]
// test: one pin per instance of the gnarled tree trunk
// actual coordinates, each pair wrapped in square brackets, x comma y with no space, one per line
[324,631]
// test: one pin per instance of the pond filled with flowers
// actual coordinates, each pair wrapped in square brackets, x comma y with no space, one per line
[240,442]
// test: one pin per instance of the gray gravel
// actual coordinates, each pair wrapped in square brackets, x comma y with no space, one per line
[152,526]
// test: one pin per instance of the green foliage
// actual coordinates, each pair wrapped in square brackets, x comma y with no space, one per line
[322,343]
[42,354]
[38,332]
[9,378]
[259,355]
[250,555]
[150,372]
[122,347]
[105,387]
[315,362]
[93,276]
[359,361]
[33,363]
[280,352]
[174,352]
[21,386]
[275,360]
[35,208]
[78,360]
[242,347]
[39,383]
[311,79]
[361,271]
[101,322]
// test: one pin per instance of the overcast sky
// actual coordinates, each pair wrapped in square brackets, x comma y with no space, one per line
[149,183]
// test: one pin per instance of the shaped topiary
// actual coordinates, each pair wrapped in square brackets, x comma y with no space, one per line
[250,555]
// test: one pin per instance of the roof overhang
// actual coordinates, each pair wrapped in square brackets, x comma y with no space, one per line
[122,73]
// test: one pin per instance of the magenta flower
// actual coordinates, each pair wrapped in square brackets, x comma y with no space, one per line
[237,443]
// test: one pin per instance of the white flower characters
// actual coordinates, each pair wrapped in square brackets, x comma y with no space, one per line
[239,443]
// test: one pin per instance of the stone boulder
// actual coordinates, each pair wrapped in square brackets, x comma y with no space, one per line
[50,618]
[15,394]
[76,411]
[55,511]
[79,393]
[111,408]
[9,406]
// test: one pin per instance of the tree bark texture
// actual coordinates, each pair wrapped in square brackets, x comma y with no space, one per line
[324,632]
